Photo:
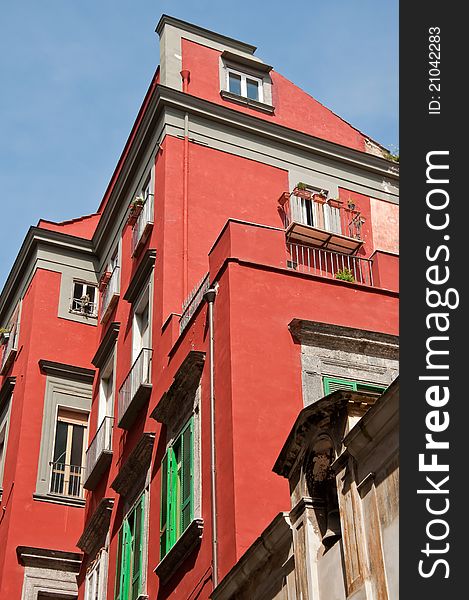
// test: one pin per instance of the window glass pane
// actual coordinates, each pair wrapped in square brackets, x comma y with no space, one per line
[77,290]
[252,89]
[234,83]
[91,292]
[60,441]
[77,445]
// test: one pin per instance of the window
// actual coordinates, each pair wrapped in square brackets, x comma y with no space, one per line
[95,586]
[69,452]
[106,391]
[317,214]
[245,85]
[177,489]
[332,384]
[141,325]
[4,419]
[84,299]
[130,553]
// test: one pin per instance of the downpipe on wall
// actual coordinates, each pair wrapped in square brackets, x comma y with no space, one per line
[210,299]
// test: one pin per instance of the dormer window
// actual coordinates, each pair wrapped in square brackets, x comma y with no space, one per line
[244,85]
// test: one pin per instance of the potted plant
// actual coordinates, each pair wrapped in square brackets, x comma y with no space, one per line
[345,275]
[302,192]
[136,207]
[105,277]
[351,204]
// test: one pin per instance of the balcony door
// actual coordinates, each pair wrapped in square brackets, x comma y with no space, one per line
[141,326]
[69,453]
[106,392]
[318,214]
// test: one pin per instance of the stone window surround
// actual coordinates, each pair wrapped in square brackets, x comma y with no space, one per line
[65,392]
[68,277]
[343,352]
[49,572]
[253,68]
[177,405]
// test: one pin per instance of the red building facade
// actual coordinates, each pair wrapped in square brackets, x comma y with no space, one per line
[156,354]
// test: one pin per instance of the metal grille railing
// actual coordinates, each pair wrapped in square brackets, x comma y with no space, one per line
[84,307]
[326,215]
[10,345]
[192,302]
[111,290]
[101,441]
[66,480]
[139,374]
[333,265]
[145,219]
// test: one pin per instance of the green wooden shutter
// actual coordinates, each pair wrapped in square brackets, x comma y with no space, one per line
[368,387]
[332,384]
[164,508]
[123,562]
[172,498]
[137,547]
[187,475]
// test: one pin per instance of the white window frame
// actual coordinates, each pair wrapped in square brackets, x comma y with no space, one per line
[4,427]
[244,77]
[85,285]
[106,391]
[96,590]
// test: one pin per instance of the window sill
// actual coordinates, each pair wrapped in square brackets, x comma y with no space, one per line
[181,550]
[79,313]
[78,502]
[260,106]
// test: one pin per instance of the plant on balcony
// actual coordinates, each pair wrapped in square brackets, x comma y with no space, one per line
[106,276]
[345,275]
[136,207]
[4,334]
[302,192]
[351,204]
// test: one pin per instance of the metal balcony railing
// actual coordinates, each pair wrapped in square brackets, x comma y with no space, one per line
[84,306]
[101,444]
[9,348]
[66,480]
[110,294]
[142,227]
[135,389]
[328,215]
[333,265]
[192,302]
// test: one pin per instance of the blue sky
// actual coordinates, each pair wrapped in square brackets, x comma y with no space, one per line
[73,75]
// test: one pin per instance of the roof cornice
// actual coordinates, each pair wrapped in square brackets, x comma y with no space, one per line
[34,237]
[163,96]
[207,33]
[217,112]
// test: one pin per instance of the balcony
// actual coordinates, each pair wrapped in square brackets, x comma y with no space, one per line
[110,295]
[135,390]
[193,301]
[66,480]
[10,348]
[310,218]
[143,225]
[333,265]
[99,454]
